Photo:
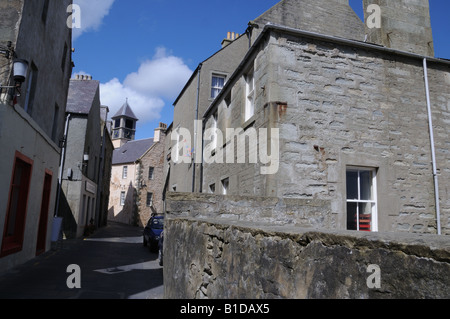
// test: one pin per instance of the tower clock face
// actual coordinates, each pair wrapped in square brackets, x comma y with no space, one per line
[127,134]
[116,134]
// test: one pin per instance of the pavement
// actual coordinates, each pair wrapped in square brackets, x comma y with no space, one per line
[112,263]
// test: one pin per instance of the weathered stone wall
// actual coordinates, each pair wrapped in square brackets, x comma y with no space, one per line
[337,106]
[153,158]
[219,259]
[306,213]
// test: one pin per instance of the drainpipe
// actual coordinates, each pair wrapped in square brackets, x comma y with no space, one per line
[433,152]
[195,128]
[61,165]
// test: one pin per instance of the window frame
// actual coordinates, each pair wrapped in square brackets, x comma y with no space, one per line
[125,172]
[151,173]
[123,197]
[217,89]
[373,201]
[149,199]
[225,185]
[249,111]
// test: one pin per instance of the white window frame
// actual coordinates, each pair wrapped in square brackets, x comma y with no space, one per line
[122,198]
[212,188]
[249,95]
[225,185]
[125,172]
[149,196]
[373,202]
[217,89]
[151,173]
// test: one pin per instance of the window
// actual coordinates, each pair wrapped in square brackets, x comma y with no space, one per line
[212,188]
[122,199]
[225,184]
[13,233]
[214,136]
[31,89]
[250,95]
[217,84]
[151,173]
[361,199]
[45,11]
[117,123]
[129,124]
[125,172]
[64,58]
[149,199]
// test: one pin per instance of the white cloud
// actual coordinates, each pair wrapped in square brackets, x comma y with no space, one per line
[164,75]
[92,15]
[159,79]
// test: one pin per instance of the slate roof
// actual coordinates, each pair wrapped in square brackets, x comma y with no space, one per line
[131,151]
[125,111]
[81,96]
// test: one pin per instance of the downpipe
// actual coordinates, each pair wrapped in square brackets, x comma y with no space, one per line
[433,152]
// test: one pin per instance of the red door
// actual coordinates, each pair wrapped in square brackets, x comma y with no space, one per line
[13,233]
[43,218]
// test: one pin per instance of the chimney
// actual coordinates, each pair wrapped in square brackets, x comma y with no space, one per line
[231,36]
[405,25]
[160,130]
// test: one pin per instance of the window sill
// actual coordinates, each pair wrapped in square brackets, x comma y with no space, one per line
[248,123]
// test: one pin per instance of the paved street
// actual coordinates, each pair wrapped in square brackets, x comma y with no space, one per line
[113,262]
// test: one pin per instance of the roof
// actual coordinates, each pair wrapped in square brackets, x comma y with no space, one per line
[125,111]
[81,96]
[131,151]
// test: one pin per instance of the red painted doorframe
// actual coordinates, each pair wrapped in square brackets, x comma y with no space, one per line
[13,233]
[43,216]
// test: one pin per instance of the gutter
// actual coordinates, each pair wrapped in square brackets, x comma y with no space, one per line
[433,152]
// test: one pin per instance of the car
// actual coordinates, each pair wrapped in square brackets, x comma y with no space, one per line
[152,232]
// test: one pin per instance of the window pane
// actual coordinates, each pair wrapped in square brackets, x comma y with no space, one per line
[366,185]
[365,216]
[351,216]
[352,185]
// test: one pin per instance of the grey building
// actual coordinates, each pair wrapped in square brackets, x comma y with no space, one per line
[82,158]
[343,121]
[359,128]
[31,123]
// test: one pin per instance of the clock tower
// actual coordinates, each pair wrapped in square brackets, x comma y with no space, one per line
[124,126]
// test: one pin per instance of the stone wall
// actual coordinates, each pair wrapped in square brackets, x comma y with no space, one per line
[219,258]
[339,105]
[154,157]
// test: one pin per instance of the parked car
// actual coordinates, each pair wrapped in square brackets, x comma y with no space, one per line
[152,232]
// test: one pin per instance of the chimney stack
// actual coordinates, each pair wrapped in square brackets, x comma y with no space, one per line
[231,36]
[405,25]
[160,130]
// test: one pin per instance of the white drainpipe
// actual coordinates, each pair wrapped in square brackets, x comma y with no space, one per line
[433,152]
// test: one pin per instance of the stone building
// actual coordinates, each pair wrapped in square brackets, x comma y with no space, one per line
[31,123]
[137,175]
[86,160]
[348,119]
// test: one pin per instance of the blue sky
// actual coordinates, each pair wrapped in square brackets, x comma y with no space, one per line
[145,50]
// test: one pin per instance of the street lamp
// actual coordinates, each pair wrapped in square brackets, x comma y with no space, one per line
[20,68]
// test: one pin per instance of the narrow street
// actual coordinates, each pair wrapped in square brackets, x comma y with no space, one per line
[113,264]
